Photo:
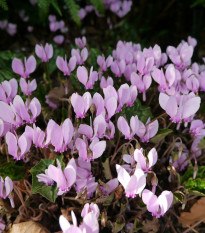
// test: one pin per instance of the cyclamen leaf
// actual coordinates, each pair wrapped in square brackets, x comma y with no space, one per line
[12,170]
[162,133]
[143,112]
[49,192]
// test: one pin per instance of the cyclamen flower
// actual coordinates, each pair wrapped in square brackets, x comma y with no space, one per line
[24,69]
[147,131]
[118,67]
[6,188]
[64,179]
[158,206]
[80,42]
[4,128]
[58,39]
[82,75]
[179,108]
[141,82]
[126,95]
[197,128]
[8,89]
[89,224]
[81,104]
[45,178]
[90,208]
[180,56]
[18,147]
[81,56]
[28,88]
[106,82]
[108,187]
[104,64]
[36,135]
[95,150]
[133,184]
[85,182]
[59,136]
[65,67]
[124,127]
[45,54]
[165,81]
[145,163]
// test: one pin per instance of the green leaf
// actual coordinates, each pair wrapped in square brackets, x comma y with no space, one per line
[201,144]
[98,4]
[106,201]
[179,197]
[56,6]
[94,53]
[73,8]
[162,133]
[3,5]
[106,168]
[49,192]
[143,112]
[118,226]
[196,185]
[12,170]
[189,174]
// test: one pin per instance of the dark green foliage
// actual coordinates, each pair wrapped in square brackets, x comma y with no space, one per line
[98,4]
[162,133]
[73,10]
[12,170]
[143,112]
[3,5]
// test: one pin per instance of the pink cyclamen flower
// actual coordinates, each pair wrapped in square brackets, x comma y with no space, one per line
[106,82]
[28,88]
[24,69]
[126,95]
[104,64]
[64,179]
[197,128]
[118,67]
[108,187]
[134,184]
[45,178]
[64,66]
[6,188]
[58,39]
[81,56]
[147,131]
[123,126]
[94,151]
[45,54]
[18,147]
[36,135]
[158,206]
[80,42]
[4,128]
[179,108]
[59,136]
[141,82]
[8,90]
[145,163]
[90,208]
[81,104]
[82,75]
[167,80]
[89,224]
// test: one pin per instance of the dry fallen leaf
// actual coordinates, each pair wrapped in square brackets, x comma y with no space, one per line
[197,213]
[151,226]
[30,226]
